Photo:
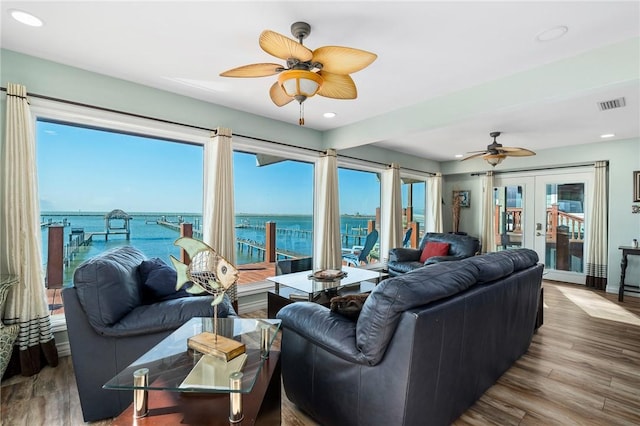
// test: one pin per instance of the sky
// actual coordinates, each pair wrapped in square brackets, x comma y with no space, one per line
[82,169]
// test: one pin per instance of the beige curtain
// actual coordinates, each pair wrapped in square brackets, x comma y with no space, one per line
[598,235]
[20,246]
[434,204]
[391,233]
[327,249]
[487,238]
[218,214]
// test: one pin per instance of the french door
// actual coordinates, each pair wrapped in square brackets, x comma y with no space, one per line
[546,212]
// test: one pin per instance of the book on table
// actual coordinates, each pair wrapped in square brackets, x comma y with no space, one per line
[220,347]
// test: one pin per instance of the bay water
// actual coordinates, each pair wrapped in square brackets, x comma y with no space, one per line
[293,236]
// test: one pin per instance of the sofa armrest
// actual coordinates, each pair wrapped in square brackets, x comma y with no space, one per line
[162,316]
[402,254]
[321,327]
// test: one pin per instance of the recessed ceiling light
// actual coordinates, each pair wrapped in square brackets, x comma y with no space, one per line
[26,18]
[459,155]
[552,33]
[329,114]
[607,135]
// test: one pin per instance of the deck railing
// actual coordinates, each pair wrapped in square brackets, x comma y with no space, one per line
[571,224]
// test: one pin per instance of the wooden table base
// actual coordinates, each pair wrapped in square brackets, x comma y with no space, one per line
[261,406]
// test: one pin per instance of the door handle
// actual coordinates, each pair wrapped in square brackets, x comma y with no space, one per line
[538,234]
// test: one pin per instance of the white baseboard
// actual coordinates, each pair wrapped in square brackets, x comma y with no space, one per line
[63,348]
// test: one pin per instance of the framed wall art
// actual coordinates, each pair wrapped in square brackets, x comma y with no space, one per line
[464,197]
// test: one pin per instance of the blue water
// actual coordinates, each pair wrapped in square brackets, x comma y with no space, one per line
[157,241]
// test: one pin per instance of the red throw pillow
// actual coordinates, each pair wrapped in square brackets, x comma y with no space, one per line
[434,249]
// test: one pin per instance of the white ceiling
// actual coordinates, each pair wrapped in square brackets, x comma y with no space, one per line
[429,54]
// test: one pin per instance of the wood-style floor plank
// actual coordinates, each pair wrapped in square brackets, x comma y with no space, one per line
[583,368]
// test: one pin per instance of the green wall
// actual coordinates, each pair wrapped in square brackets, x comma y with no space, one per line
[623,157]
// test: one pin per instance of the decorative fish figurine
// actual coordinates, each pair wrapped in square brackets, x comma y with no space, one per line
[208,271]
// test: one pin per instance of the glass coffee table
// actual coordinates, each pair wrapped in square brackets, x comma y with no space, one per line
[170,366]
[303,286]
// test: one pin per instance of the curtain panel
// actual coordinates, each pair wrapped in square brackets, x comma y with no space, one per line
[597,243]
[21,246]
[327,247]
[390,212]
[434,204]
[218,208]
[487,238]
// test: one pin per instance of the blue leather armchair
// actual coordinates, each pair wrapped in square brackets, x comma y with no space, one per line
[403,259]
[111,323]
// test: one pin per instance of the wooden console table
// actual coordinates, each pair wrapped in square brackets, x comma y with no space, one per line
[626,251]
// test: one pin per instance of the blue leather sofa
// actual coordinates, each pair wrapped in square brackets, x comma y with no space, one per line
[426,346]
[406,259]
[115,314]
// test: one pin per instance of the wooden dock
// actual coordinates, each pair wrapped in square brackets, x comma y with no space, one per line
[197,233]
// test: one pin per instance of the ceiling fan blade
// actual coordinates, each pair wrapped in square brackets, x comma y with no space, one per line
[278,96]
[283,47]
[516,152]
[480,154]
[253,70]
[337,86]
[342,60]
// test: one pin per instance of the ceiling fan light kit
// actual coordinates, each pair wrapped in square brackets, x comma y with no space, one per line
[323,71]
[495,152]
[300,84]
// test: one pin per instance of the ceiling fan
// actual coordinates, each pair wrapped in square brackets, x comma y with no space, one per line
[323,71]
[495,152]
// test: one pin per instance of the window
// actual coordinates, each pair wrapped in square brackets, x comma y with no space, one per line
[413,204]
[86,173]
[359,208]
[272,190]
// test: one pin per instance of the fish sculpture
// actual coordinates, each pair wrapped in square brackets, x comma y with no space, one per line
[208,271]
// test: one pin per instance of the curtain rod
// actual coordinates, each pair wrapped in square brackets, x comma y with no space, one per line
[162,120]
[147,117]
[536,169]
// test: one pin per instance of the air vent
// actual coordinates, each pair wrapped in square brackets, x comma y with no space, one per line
[613,103]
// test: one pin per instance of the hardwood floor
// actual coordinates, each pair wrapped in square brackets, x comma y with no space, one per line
[583,368]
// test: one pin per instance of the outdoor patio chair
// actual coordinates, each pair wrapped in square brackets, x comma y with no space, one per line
[360,254]
[407,237]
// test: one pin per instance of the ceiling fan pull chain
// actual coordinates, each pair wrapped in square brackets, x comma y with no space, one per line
[301,120]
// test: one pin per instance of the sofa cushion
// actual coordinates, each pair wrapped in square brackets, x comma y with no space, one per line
[521,258]
[433,248]
[158,281]
[388,300]
[108,285]
[491,266]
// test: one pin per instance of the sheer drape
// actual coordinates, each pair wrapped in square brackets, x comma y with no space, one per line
[598,236]
[327,248]
[488,210]
[21,247]
[390,211]
[218,215]
[434,204]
